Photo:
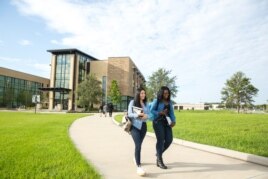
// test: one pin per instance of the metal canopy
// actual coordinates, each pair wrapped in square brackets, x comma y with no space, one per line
[55,89]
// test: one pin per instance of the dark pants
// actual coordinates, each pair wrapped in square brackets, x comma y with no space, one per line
[138,136]
[163,135]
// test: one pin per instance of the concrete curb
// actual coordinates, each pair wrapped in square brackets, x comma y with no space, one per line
[216,150]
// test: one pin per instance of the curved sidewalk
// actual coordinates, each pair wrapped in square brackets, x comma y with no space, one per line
[111,151]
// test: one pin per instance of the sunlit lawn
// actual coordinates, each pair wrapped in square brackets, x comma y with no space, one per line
[39,146]
[241,132]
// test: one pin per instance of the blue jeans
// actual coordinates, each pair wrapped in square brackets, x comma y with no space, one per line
[138,136]
[164,136]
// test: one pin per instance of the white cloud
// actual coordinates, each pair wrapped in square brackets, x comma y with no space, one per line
[54,42]
[10,59]
[202,42]
[25,42]
[43,68]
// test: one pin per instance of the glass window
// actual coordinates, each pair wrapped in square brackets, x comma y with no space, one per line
[82,68]
[2,80]
[62,71]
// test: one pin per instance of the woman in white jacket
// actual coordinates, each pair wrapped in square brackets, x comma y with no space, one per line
[139,126]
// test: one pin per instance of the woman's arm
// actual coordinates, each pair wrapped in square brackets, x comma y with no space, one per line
[171,113]
[153,109]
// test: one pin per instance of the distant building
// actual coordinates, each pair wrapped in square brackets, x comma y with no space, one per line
[196,106]
[17,88]
[69,67]
[191,106]
[213,106]
[124,71]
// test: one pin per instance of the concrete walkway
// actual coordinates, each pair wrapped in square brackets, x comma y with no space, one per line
[111,151]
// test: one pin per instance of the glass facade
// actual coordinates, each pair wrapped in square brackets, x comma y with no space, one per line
[123,105]
[62,79]
[15,92]
[82,60]
[62,76]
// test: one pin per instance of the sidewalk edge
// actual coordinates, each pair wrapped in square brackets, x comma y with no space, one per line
[216,150]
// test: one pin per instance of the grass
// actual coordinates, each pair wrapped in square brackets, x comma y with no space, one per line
[241,132]
[38,146]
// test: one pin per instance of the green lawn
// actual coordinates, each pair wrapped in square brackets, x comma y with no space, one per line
[241,132]
[38,146]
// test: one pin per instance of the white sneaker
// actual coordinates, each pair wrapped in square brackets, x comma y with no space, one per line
[140,171]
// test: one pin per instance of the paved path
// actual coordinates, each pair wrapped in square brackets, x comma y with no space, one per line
[111,151]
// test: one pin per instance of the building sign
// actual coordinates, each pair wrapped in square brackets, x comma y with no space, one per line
[36,99]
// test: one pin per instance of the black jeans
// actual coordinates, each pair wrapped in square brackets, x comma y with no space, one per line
[138,136]
[164,136]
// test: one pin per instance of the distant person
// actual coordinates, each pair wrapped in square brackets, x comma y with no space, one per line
[105,109]
[101,110]
[139,126]
[162,109]
[111,108]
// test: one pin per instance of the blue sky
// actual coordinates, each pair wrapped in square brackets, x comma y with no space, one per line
[202,42]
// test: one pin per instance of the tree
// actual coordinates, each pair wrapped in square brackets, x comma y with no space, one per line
[238,91]
[89,91]
[114,93]
[159,78]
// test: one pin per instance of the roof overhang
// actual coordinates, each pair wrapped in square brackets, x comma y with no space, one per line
[70,51]
[55,89]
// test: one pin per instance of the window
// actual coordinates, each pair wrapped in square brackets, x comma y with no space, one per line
[15,91]
[62,71]
[62,78]
[82,68]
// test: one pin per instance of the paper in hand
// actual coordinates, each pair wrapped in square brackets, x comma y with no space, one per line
[168,120]
[137,110]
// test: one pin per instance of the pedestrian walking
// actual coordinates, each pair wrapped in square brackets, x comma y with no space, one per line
[163,121]
[139,126]
[105,109]
[111,108]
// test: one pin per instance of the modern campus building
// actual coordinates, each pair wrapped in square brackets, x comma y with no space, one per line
[17,88]
[124,71]
[69,67]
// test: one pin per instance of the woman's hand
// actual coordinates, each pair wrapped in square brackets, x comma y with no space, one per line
[164,112]
[144,117]
[172,124]
[141,115]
